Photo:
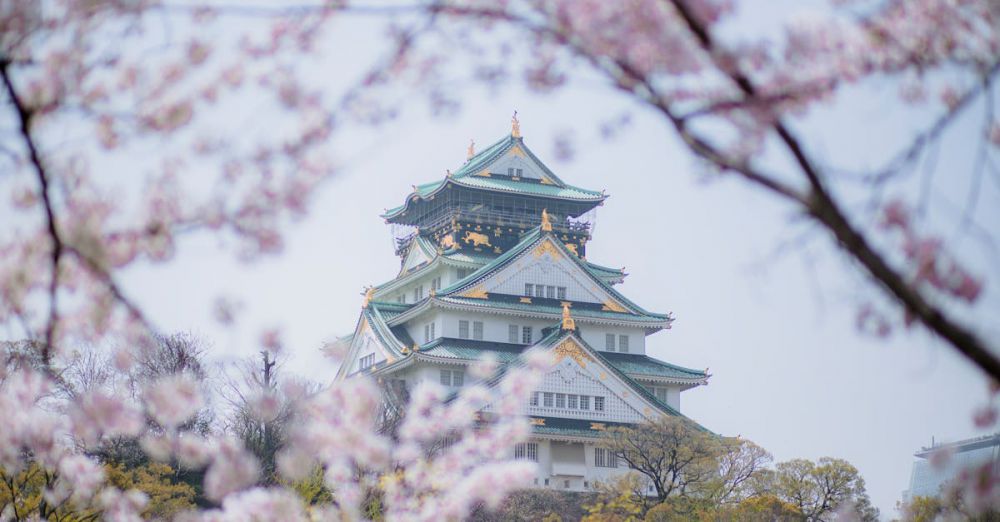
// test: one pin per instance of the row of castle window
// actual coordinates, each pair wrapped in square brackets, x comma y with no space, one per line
[366,361]
[603,458]
[526,451]
[609,343]
[549,291]
[418,292]
[453,378]
[477,330]
[566,401]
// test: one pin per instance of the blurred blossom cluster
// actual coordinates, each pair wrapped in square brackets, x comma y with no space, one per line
[447,457]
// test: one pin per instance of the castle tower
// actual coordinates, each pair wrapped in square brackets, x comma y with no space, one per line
[493,260]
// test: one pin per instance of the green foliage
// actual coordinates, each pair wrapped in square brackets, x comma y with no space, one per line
[312,490]
[618,501]
[21,497]
[167,494]
[817,489]
[760,508]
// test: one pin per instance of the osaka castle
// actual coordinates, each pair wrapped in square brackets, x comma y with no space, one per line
[493,260]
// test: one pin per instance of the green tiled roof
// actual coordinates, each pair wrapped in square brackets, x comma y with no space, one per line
[469,349]
[553,307]
[633,363]
[467,176]
[606,273]
[389,310]
[503,184]
[572,427]
[487,155]
[527,241]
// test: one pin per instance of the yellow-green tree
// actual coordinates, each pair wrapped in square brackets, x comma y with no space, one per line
[22,498]
[167,495]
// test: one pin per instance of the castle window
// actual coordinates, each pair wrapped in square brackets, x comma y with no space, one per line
[367,361]
[436,284]
[401,299]
[560,400]
[584,402]
[550,292]
[534,399]
[512,333]
[598,403]
[529,289]
[605,458]
[418,293]
[462,273]
[572,401]
[547,399]
[526,335]
[539,290]
[623,343]
[560,292]
[463,329]
[526,451]
[609,342]
[477,330]
[510,171]
[452,378]
[429,334]
[520,172]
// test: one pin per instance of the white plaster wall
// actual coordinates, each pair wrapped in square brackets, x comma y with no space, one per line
[674,397]
[594,335]
[528,167]
[415,327]
[548,271]
[568,378]
[495,328]
[592,474]
[446,274]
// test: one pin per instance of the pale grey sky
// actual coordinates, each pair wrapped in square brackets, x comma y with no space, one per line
[790,371]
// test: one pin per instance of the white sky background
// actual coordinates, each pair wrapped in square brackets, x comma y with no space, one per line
[790,371]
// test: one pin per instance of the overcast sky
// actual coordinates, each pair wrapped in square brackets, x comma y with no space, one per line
[774,325]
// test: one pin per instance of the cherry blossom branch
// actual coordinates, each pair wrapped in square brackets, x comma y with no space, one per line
[822,207]
[918,144]
[25,115]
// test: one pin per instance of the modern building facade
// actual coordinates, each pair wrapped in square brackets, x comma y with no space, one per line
[930,476]
[493,260]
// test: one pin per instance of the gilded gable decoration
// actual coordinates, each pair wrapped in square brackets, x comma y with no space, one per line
[569,348]
[476,292]
[612,306]
[546,247]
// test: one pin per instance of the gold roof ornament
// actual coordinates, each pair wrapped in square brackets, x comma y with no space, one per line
[369,295]
[567,320]
[515,126]
[546,224]
[472,148]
